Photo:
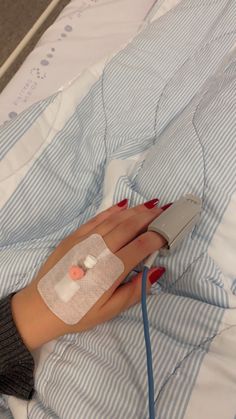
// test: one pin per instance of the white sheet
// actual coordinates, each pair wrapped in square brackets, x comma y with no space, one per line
[85,32]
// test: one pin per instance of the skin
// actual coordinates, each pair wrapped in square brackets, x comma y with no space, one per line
[125,233]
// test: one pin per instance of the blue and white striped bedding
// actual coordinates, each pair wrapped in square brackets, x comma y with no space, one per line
[169,98]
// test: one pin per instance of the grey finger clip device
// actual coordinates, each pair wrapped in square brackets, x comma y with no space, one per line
[177,221]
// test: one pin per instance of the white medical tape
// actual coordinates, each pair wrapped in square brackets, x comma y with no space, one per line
[71,299]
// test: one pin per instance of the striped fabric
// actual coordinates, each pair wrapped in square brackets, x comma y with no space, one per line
[11,133]
[171,92]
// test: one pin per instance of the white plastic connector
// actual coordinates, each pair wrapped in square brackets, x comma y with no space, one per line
[150,260]
[90,262]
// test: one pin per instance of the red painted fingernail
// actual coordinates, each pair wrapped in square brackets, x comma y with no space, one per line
[152,203]
[166,206]
[156,274]
[122,203]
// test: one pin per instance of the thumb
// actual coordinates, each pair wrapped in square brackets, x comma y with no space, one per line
[128,294]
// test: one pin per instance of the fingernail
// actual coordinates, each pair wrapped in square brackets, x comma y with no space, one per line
[152,203]
[156,274]
[122,203]
[166,206]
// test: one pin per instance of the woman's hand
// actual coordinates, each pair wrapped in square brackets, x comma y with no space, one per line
[125,234]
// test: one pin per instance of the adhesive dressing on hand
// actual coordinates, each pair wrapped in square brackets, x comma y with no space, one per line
[79,279]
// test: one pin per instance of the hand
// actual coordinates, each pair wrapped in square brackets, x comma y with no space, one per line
[124,232]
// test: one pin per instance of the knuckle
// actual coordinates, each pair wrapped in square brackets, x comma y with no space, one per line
[101,217]
[95,219]
[130,224]
[157,240]
[143,242]
[103,225]
[108,224]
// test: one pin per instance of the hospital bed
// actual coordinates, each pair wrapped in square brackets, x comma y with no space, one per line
[172,133]
[84,33]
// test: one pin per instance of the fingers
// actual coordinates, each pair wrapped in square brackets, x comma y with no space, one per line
[130,227]
[107,220]
[138,249]
[91,225]
[117,218]
[128,294]
[134,253]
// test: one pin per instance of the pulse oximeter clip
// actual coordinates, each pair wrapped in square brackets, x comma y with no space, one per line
[177,221]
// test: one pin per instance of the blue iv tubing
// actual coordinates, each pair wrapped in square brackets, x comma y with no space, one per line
[148,346]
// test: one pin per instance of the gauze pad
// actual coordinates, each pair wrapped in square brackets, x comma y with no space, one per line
[79,279]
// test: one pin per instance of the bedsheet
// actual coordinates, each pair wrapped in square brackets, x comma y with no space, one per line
[178,137]
[85,32]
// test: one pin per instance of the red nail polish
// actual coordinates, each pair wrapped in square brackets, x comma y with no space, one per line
[166,206]
[122,203]
[156,274]
[152,203]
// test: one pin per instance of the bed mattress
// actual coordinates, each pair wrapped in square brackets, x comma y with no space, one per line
[85,32]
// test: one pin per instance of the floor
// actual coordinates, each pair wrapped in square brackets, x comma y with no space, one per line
[16,19]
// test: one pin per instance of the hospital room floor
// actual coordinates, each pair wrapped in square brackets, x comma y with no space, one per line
[16,19]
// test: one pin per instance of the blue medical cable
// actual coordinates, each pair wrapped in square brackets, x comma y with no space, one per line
[148,345]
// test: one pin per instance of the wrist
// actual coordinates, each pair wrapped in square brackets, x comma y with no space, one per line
[35,322]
